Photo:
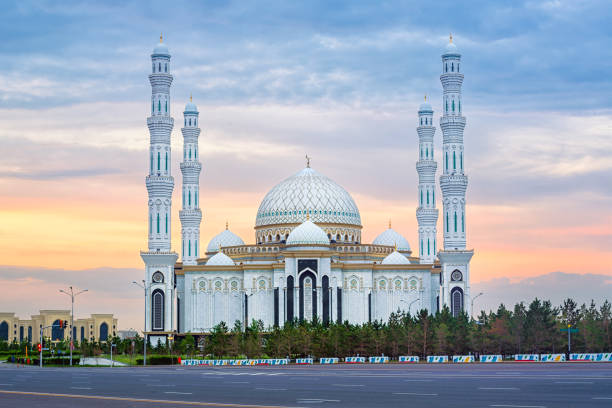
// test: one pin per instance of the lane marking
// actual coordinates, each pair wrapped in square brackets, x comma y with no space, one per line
[178,392]
[100,397]
[498,388]
[349,385]
[8,384]
[239,382]
[602,398]
[418,380]
[414,393]
[519,406]
[573,382]
[314,401]
[271,389]
[80,388]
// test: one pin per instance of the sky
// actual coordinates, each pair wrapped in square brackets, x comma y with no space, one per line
[273,81]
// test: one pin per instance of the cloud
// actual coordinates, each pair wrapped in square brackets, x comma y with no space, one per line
[554,286]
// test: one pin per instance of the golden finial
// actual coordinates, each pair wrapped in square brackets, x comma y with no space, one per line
[190,97]
[395,246]
[161,37]
[307,216]
[307,161]
[226,225]
[219,247]
[450,38]
[389,223]
[425,97]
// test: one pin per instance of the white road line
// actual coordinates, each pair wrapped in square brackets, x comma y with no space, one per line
[519,406]
[414,393]
[498,388]
[314,401]
[239,382]
[6,384]
[176,392]
[271,389]
[602,398]
[573,382]
[349,385]
[418,380]
[161,385]
[80,388]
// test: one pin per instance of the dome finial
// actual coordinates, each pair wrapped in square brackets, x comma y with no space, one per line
[307,161]
[395,246]
[450,38]
[307,216]
[190,97]
[425,97]
[389,223]
[161,37]
[226,224]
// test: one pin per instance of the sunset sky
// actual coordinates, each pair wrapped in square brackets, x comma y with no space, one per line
[274,80]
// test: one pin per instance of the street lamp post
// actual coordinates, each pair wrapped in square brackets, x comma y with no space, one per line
[144,332]
[245,306]
[410,304]
[72,296]
[472,305]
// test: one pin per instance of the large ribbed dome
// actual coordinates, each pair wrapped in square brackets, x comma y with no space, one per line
[308,192]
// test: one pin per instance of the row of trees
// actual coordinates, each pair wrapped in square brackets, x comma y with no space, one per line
[535,328]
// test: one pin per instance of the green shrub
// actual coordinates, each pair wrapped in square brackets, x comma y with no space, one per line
[158,360]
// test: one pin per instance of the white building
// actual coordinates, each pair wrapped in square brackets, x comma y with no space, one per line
[308,259]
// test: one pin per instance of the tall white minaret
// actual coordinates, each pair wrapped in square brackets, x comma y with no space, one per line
[427,213]
[453,183]
[159,259]
[190,214]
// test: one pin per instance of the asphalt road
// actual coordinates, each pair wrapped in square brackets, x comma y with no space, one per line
[520,385]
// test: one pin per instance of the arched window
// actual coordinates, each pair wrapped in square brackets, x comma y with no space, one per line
[166,223]
[82,333]
[152,107]
[159,67]
[190,122]
[421,201]
[422,247]
[461,159]
[166,161]
[185,122]
[195,122]
[421,121]
[189,248]
[446,222]
[158,161]
[57,333]
[455,221]
[458,67]
[433,197]
[4,331]
[167,106]
[20,334]
[150,223]
[159,105]
[434,246]
[158,223]
[459,105]
[446,67]
[190,153]
[452,67]
[462,222]
[157,310]
[453,104]
[446,160]
[151,162]
[30,333]
[447,105]
[166,67]
[456,301]
[426,152]
[428,250]
[103,332]
[454,160]
[153,67]
[427,196]
[195,194]
[189,197]
[195,247]
[183,198]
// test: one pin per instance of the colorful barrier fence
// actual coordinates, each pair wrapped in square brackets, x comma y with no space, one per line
[378,360]
[329,360]
[607,357]
[598,357]
[303,361]
[408,359]
[491,358]
[526,357]
[354,360]
[437,359]
[552,358]
[463,359]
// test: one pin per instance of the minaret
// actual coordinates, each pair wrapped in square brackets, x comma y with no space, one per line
[426,213]
[190,214]
[159,259]
[454,258]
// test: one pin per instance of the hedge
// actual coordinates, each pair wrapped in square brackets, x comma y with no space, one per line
[158,360]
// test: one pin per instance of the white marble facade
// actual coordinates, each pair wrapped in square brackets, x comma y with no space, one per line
[308,260]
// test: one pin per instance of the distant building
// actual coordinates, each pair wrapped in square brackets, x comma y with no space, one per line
[127,334]
[98,327]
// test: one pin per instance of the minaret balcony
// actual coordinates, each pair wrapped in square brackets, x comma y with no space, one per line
[191,167]
[426,166]
[451,80]
[190,217]
[453,184]
[160,79]
[427,216]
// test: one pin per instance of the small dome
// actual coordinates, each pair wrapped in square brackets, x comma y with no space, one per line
[160,48]
[395,258]
[191,108]
[220,259]
[425,107]
[451,48]
[390,237]
[225,238]
[307,233]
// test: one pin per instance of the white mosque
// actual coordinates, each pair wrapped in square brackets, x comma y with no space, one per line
[308,260]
